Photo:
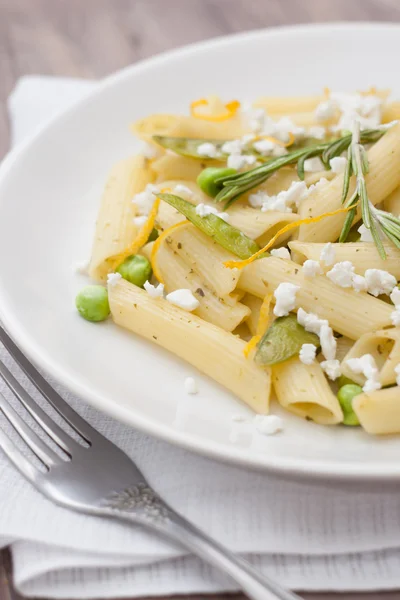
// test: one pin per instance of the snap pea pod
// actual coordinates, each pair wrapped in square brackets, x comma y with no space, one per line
[225,235]
[283,340]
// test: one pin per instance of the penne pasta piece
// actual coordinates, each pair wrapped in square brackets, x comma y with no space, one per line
[343,347]
[384,346]
[289,104]
[205,257]
[174,166]
[391,112]
[115,228]
[363,255]
[254,304]
[382,179]
[392,202]
[305,391]
[214,352]
[349,312]
[177,274]
[168,216]
[379,411]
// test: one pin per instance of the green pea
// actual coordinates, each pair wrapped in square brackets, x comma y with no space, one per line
[135,269]
[92,303]
[343,380]
[345,397]
[208,179]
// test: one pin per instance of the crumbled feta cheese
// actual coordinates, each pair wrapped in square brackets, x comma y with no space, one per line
[268,424]
[264,146]
[257,200]
[154,291]
[366,235]
[140,221]
[203,210]
[239,161]
[149,150]
[145,200]
[313,165]
[331,368]
[247,138]
[279,151]
[207,149]
[311,268]
[256,118]
[191,386]
[285,296]
[379,282]
[395,296]
[328,342]
[183,189]
[397,371]
[365,109]
[342,274]
[275,203]
[359,283]
[395,317]
[113,278]
[338,164]
[284,127]
[184,299]
[232,147]
[281,253]
[307,353]
[328,254]
[320,183]
[310,321]
[325,110]
[317,132]
[366,366]
[82,267]
[297,192]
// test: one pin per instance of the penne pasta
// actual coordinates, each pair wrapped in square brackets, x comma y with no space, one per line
[318,295]
[173,166]
[392,202]
[181,126]
[379,411]
[254,304]
[304,390]
[210,349]
[115,228]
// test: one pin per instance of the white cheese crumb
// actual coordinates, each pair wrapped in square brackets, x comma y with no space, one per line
[284,201]
[279,151]
[310,321]
[239,161]
[82,267]
[257,200]
[311,268]
[366,235]
[397,371]
[307,353]
[395,317]
[342,274]
[285,296]
[313,165]
[145,200]
[268,424]
[379,282]
[281,253]
[184,299]
[317,132]
[328,342]
[331,368]
[183,189]
[338,164]
[139,221]
[232,147]
[328,254]
[365,109]
[191,386]
[325,111]
[113,278]
[395,296]
[359,283]
[207,149]
[366,366]
[264,147]
[203,210]
[154,291]
[320,183]
[149,150]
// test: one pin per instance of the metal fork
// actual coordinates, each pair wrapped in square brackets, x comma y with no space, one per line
[100,479]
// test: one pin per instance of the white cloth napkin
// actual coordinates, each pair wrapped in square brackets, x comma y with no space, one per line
[307,536]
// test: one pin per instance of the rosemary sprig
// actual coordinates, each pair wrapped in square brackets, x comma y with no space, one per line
[377,221]
[236,185]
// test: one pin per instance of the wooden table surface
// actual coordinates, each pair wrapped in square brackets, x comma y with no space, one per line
[91,38]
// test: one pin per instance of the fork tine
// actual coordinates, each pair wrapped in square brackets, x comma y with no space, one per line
[44,453]
[73,419]
[21,462]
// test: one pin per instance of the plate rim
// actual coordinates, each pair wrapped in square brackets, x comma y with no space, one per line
[292,466]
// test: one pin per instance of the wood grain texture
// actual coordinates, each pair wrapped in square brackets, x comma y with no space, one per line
[91,38]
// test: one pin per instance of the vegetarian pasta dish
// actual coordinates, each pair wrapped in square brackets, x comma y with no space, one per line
[261,243]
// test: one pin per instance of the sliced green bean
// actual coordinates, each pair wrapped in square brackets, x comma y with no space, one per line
[283,340]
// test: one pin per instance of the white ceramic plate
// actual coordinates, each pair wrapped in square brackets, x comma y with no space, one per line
[49,194]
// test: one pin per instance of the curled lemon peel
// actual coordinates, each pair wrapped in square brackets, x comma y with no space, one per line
[156,247]
[140,239]
[239,264]
[262,324]
[231,110]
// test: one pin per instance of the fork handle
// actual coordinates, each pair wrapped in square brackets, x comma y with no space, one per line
[250,581]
